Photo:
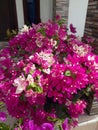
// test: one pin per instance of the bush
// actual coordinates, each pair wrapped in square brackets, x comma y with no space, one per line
[44,73]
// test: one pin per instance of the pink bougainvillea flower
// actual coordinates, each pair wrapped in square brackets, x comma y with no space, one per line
[30,125]
[72,28]
[58,17]
[3,116]
[47,126]
[65,124]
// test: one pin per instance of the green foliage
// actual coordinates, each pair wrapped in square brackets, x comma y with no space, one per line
[11,33]
[1,104]
[68,73]
[61,22]
[42,31]
[35,87]
[3,126]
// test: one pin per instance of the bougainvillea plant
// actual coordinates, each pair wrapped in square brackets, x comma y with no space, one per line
[44,73]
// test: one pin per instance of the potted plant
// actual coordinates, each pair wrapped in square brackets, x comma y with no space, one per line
[44,74]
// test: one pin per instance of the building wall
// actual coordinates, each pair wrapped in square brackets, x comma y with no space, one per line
[91,28]
[61,8]
[73,11]
[46,10]
[77,15]
[20,14]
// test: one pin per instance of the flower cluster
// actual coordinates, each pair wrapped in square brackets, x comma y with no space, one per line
[44,74]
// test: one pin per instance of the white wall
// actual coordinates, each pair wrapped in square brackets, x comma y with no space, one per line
[46,9]
[20,14]
[77,15]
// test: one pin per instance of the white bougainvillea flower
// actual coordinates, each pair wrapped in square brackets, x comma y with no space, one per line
[30,79]
[21,84]
[24,29]
[47,71]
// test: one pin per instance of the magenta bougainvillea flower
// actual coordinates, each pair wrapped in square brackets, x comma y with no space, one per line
[3,116]
[45,73]
[72,28]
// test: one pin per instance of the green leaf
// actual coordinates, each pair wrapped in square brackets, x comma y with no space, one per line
[22,97]
[35,87]
[52,119]
[3,126]
[1,104]
[61,22]
[20,121]
[87,93]
[68,73]
[42,31]
[60,127]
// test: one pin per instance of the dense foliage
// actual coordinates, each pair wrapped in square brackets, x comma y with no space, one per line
[44,73]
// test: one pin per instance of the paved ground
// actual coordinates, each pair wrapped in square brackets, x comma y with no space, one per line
[87,123]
